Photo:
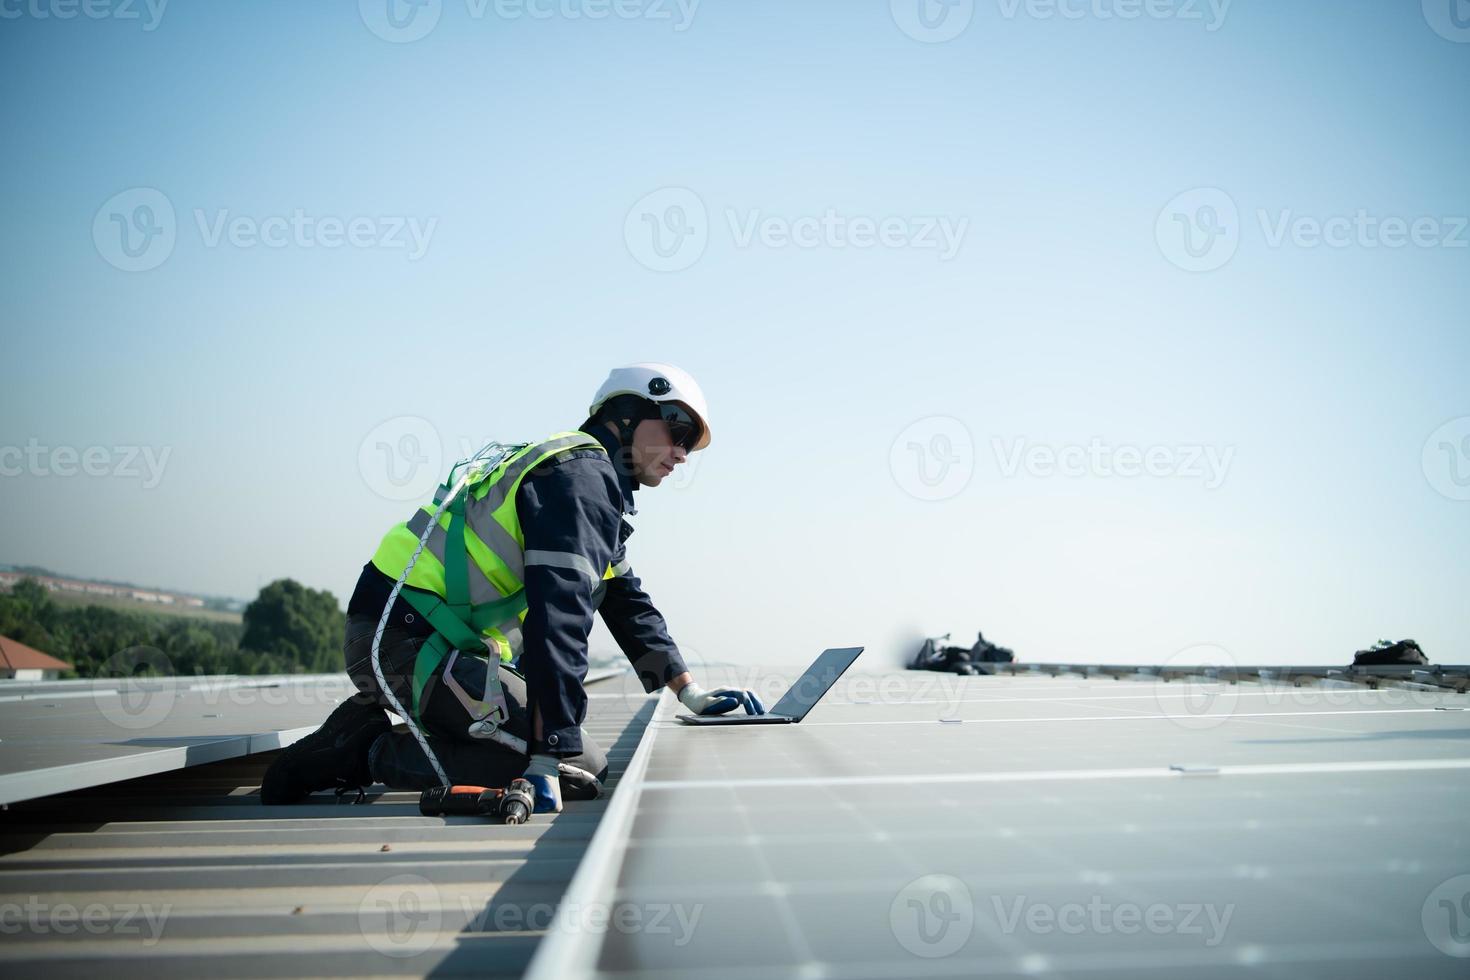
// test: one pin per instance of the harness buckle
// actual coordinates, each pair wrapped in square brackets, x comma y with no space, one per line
[490,710]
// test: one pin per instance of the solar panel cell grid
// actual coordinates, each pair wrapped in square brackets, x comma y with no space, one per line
[1301,834]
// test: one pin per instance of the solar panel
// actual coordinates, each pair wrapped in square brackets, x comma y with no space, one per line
[926,825]
[63,735]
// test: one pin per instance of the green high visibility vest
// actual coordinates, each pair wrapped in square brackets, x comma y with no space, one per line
[473,563]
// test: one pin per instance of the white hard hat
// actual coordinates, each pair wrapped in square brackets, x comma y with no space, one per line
[657,383]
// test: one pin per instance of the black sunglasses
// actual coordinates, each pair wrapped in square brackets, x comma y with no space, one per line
[684,429]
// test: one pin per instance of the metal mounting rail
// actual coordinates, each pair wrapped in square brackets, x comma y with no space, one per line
[1452,677]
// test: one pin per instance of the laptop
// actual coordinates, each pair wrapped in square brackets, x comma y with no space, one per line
[809,688]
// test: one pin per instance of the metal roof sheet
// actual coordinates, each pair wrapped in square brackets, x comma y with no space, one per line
[185,874]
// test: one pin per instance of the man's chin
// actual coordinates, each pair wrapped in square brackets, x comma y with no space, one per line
[650,479]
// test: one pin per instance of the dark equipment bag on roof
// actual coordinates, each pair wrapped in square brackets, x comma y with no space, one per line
[1386,653]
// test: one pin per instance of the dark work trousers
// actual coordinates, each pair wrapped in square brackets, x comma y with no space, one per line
[396,759]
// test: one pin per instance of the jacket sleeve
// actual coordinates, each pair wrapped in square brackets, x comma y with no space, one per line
[639,628]
[569,517]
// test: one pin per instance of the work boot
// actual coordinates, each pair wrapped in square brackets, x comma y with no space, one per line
[334,755]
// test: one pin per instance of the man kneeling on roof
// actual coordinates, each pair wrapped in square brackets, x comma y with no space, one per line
[510,559]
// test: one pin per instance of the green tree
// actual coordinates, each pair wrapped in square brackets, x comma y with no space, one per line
[291,623]
[25,611]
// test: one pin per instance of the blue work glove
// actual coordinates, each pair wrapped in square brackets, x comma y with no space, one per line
[720,701]
[543,776]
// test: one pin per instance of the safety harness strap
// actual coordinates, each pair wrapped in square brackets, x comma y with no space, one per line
[457,624]
[456,562]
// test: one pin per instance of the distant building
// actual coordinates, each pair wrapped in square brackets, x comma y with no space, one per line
[56,584]
[19,662]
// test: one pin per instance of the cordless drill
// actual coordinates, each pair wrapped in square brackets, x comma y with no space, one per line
[514,804]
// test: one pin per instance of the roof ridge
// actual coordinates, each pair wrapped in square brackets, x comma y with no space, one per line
[31,658]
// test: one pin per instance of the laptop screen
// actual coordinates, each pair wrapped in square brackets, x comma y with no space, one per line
[816,682]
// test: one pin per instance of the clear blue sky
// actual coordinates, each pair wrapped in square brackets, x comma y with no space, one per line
[525,149]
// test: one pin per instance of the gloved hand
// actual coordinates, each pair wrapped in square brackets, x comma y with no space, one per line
[543,775]
[720,701]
